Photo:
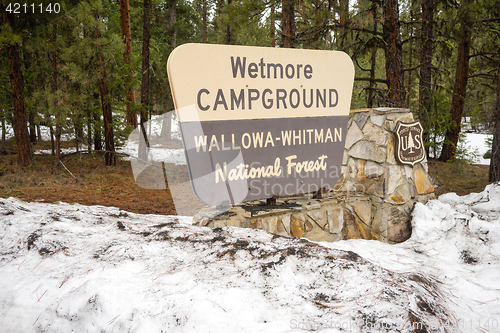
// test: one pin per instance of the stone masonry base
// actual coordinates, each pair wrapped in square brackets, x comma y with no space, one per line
[373,198]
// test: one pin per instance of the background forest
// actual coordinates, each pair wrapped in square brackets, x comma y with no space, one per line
[97,69]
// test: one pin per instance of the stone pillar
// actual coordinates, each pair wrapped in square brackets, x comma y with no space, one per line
[370,168]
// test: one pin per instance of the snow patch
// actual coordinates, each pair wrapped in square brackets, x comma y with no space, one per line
[91,268]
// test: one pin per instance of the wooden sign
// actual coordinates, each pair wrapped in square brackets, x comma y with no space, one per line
[409,143]
[259,122]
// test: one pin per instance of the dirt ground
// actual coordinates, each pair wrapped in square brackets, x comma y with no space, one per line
[458,176]
[87,180]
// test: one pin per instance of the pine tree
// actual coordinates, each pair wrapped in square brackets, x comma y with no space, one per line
[494,173]
[110,157]
[144,142]
[393,53]
[464,36]
[127,60]
[53,60]
[24,153]
[288,23]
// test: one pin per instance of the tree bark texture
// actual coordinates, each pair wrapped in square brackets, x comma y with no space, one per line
[373,60]
[127,60]
[97,131]
[89,130]
[344,16]
[172,19]
[393,53]
[109,155]
[28,63]
[288,23]
[144,144]
[459,90]
[424,95]
[229,28]
[3,148]
[32,127]
[205,21]
[273,26]
[53,89]
[24,152]
[410,62]
[494,175]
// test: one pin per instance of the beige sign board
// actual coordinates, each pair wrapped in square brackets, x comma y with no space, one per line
[240,82]
[260,122]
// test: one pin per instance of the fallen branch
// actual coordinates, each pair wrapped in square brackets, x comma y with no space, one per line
[218,305]
[65,279]
[327,306]
[68,170]
[37,319]
[42,295]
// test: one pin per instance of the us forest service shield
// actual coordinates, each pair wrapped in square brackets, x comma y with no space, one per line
[409,143]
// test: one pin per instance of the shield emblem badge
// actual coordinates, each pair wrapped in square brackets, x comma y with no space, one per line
[409,143]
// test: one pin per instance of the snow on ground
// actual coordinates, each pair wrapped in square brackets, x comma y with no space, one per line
[156,153]
[477,142]
[95,269]
[158,150]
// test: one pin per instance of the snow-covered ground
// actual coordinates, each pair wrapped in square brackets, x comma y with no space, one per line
[158,150]
[476,142]
[67,268]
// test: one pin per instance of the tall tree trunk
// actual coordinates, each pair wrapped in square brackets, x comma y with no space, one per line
[28,63]
[288,23]
[459,90]
[410,60]
[78,132]
[53,88]
[424,95]
[107,115]
[38,133]
[373,60]
[166,129]
[52,141]
[494,175]
[109,155]
[172,19]
[229,28]
[393,53]
[344,16]
[425,85]
[3,148]
[24,153]
[32,128]
[127,60]
[273,26]
[97,130]
[205,20]
[89,130]
[144,144]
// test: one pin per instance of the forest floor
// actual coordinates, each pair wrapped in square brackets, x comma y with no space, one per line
[90,182]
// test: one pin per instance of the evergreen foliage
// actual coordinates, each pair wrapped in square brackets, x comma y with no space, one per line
[64,48]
